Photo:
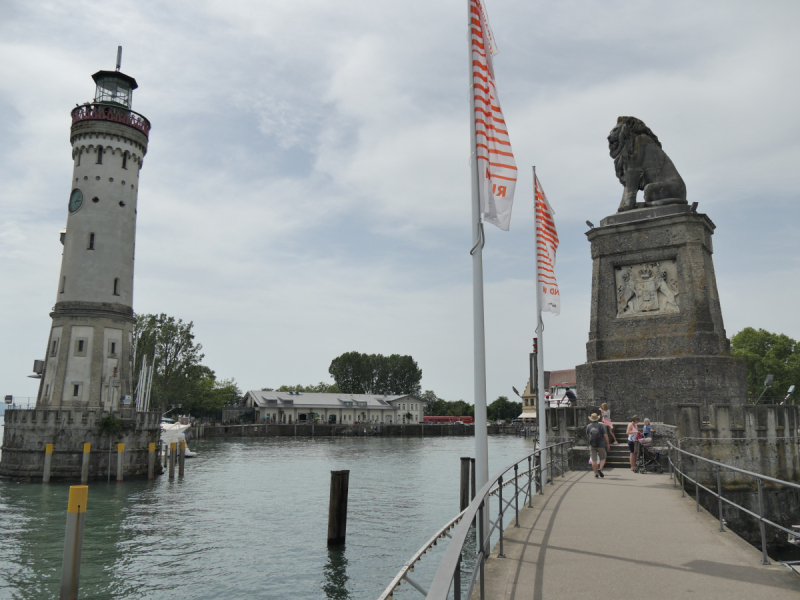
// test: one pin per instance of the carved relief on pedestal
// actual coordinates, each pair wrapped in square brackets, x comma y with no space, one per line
[647,289]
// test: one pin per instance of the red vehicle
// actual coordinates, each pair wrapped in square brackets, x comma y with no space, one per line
[445,420]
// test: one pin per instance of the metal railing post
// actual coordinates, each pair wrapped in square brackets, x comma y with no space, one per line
[530,477]
[550,469]
[539,474]
[457,580]
[764,557]
[516,497]
[571,458]
[480,549]
[696,486]
[719,497]
[683,483]
[500,516]
[561,454]
[672,467]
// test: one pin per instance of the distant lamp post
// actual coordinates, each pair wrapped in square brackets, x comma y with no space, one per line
[767,384]
[174,406]
[789,393]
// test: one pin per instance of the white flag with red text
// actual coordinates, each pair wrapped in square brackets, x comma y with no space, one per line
[546,246]
[497,170]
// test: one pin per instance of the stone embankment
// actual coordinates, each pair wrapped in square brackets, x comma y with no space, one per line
[355,430]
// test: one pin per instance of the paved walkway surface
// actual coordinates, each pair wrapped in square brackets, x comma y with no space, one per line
[627,536]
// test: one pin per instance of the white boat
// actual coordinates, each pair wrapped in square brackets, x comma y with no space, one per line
[175,432]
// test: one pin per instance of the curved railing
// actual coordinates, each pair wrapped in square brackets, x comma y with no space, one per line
[106,112]
[450,569]
[679,469]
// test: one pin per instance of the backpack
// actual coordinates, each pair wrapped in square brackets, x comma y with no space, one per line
[594,435]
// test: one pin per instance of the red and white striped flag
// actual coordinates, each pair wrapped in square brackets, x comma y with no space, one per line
[496,167]
[546,246]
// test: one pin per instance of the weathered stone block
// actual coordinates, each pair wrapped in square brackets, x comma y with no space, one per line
[656,335]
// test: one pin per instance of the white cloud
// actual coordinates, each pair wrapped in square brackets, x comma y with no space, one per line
[306,189]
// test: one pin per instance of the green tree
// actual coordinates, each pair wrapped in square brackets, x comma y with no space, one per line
[433,406]
[502,408]
[767,353]
[356,373]
[209,396]
[179,377]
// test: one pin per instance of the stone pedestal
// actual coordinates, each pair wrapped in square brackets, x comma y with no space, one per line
[656,335]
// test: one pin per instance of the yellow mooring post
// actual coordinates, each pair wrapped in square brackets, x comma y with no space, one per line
[87,448]
[172,452]
[181,458]
[48,460]
[151,461]
[73,541]
[120,456]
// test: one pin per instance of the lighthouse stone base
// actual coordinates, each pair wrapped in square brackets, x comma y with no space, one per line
[656,336]
[27,433]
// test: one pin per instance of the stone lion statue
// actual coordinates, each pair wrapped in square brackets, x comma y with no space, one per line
[641,164]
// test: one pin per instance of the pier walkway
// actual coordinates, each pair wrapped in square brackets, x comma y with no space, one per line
[628,535]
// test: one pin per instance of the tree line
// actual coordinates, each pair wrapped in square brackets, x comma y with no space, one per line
[765,353]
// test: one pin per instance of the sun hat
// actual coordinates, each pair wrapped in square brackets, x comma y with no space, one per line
[594,417]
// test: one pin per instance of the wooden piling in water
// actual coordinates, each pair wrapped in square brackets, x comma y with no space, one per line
[87,448]
[172,452]
[151,461]
[464,496]
[181,458]
[337,508]
[120,457]
[73,541]
[48,461]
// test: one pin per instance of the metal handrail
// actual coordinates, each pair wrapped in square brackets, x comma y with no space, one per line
[760,479]
[450,567]
[100,111]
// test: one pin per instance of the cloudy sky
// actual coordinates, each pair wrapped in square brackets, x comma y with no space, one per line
[306,190]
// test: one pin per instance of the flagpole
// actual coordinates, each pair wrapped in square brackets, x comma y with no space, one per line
[540,404]
[479,342]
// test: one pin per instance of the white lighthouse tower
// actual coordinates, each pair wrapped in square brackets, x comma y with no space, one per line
[88,362]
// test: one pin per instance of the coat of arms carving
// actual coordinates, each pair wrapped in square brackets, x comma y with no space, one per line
[649,288]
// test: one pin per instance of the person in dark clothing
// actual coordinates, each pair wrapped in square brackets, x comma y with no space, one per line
[570,395]
[598,444]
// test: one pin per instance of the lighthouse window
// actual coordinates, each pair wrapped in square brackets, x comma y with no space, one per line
[91,241]
[75,389]
[54,348]
[99,155]
[80,346]
[63,283]
[116,286]
[124,160]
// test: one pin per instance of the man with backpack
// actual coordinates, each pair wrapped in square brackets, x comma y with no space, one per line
[598,444]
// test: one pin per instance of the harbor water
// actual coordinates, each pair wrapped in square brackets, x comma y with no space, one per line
[249,520]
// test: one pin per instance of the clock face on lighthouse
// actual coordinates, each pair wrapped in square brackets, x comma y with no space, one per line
[75,200]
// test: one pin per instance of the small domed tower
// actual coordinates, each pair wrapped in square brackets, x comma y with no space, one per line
[88,361]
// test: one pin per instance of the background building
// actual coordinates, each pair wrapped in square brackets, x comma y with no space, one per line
[293,407]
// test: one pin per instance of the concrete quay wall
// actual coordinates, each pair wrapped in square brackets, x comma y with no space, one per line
[27,433]
[304,430]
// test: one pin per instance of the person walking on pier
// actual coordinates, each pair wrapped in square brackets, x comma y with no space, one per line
[598,444]
[633,435]
[606,413]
